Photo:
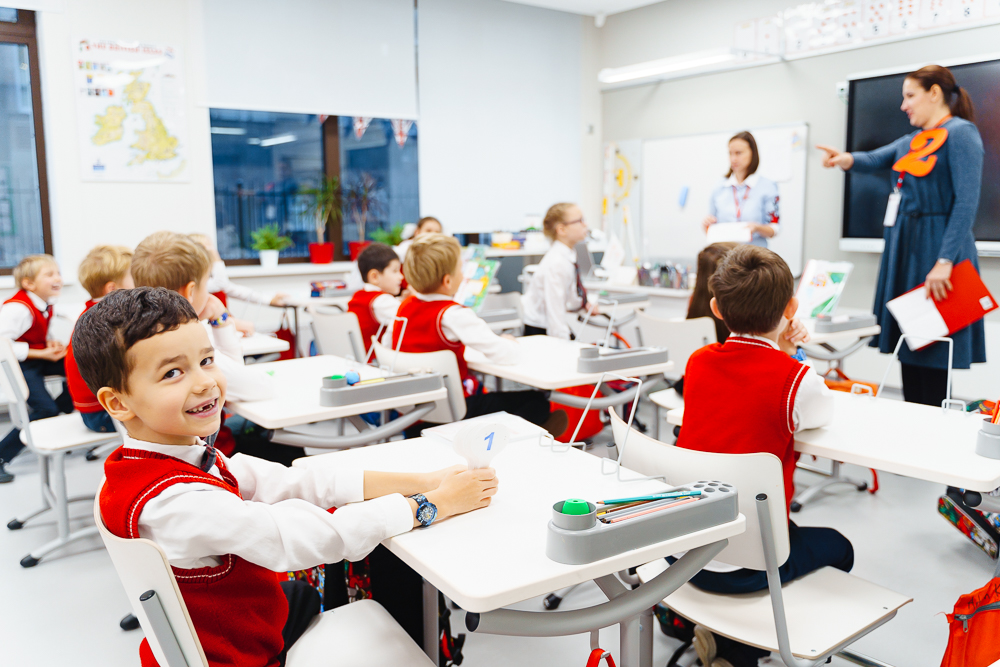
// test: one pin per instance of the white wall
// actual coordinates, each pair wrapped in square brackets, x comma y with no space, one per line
[801,90]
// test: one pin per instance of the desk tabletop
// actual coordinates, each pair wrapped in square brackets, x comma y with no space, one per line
[907,439]
[550,363]
[839,336]
[260,343]
[495,556]
[296,395]
[303,300]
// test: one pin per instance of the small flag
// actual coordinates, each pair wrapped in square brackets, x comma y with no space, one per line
[401,130]
[361,124]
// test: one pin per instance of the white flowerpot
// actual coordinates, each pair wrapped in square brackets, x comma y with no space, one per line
[269,258]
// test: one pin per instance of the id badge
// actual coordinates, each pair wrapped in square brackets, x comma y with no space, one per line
[892,209]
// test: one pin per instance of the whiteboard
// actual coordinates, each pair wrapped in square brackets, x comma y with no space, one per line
[698,162]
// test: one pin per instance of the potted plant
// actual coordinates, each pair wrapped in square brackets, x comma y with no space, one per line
[268,242]
[391,237]
[363,199]
[327,205]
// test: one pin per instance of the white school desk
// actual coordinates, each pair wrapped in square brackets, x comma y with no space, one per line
[851,339]
[494,557]
[918,441]
[296,397]
[259,343]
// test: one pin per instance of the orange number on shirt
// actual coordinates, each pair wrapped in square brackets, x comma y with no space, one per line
[922,146]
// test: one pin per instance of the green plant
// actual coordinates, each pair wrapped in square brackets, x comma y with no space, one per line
[327,204]
[392,236]
[269,238]
[363,197]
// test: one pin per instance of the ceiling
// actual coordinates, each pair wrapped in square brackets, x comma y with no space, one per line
[588,7]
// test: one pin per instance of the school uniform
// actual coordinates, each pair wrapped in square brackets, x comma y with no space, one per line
[556,288]
[755,200]
[228,530]
[767,396]
[24,319]
[93,415]
[222,288]
[435,322]
[374,308]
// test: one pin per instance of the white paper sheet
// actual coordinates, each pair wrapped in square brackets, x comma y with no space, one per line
[518,428]
[723,232]
[917,315]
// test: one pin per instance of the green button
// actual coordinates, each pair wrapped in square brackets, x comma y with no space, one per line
[575,506]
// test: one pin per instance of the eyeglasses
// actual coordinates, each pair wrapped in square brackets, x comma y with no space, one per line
[573,222]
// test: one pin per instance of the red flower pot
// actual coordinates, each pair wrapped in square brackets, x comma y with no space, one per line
[320,253]
[356,247]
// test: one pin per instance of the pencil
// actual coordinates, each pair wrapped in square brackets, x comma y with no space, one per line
[609,509]
[638,507]
[654,496]
[655,509]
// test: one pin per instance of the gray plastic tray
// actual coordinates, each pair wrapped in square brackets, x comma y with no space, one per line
[621,297]
[828,324]
[592,361]
[336,392]
[579,539]
[499,315]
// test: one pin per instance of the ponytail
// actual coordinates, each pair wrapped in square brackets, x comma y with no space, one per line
[957,98]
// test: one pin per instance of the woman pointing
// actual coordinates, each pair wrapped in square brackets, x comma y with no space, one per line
[928,223]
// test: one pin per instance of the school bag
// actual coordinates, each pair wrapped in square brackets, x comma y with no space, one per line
[974,627]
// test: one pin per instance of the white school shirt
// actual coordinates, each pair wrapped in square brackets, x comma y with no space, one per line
[219,281]
[243,383]
[384,307]
[552,292]
[462,324]
[758,203]
[813,408]
[16,318]
[280,524]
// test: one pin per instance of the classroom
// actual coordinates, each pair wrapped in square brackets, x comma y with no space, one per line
[479,332]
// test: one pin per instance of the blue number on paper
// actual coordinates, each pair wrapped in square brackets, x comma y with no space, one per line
[489,439]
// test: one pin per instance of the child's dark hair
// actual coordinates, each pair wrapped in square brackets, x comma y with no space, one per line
[752,286]
[708,261]
[376,256]
[104,334]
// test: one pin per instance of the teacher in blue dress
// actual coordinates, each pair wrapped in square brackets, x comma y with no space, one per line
[744,195]
[938,172]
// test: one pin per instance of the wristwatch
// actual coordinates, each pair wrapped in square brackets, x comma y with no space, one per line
[945,261]
[426,510]
[800,355]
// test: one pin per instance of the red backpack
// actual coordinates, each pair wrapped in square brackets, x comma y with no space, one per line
[974,628]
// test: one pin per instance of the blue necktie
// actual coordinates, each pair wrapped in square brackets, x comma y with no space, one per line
[211,453]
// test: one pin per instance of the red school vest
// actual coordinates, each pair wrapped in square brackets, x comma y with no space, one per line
[424,332]
[738,399]
[238,608]
[37,334]
[83,399]
[361,305]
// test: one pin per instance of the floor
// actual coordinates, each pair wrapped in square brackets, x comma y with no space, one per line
[66,609]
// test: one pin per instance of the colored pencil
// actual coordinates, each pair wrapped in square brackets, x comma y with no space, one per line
[654,496]
[655,509]
[608,509]
[637,508]
[996,412]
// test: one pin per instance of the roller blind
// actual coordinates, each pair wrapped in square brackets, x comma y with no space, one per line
[336,57]
[500,128]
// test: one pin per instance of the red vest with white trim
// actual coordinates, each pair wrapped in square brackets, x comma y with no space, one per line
[37,334]
[238,608]
[738,399]
[361,304]
[83,399]
[424,331]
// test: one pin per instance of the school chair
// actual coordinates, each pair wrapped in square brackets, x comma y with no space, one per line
[337,333]
[503,312]
[361,634]
[50,440]
[806,620]
[443,362]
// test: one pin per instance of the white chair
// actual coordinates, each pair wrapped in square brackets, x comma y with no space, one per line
[503,312]
[806,620]
[50,439]
[445,363]
[361,634]
[338,333]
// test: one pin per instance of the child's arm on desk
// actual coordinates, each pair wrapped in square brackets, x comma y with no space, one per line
[462,324]
[245,383]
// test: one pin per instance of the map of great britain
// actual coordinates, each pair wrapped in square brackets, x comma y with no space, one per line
[153,142]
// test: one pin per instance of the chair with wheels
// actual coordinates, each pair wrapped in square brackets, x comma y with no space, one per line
[50,440]
[806,620]
[361,634]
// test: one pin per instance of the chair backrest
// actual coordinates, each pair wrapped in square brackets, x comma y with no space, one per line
[15,388]
[338,333]
[681,337]
[751,474]
[142,566]
[505,301]
[445,363]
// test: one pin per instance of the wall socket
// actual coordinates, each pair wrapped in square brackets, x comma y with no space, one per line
[842,91]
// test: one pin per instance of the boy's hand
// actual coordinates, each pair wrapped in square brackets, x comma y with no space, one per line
[793,336]
[508,336]
[279,300]
[49,353]
[464,492]
[213,309]
[245,327]
[434,479]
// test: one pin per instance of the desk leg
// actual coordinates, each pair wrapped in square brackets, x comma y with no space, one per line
[431,621]
[298,340]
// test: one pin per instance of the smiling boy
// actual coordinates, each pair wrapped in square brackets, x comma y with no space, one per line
[227,525]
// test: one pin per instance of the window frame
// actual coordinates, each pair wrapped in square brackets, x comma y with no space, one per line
[23,32]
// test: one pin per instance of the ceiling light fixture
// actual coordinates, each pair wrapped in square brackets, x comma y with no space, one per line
[280,139]
[238,131]
[688,64]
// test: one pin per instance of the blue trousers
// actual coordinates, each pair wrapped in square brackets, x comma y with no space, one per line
[99,422]
[40,404]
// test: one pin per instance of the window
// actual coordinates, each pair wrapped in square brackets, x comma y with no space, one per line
[24,209]
[262,160]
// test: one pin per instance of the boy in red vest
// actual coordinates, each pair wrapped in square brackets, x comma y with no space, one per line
[229,525]
[102,271]
[24,319]
[435,322]
[768,395]
[376,304]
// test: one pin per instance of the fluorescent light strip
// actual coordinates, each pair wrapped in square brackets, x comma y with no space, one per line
[239,131]
[280,139]
[687,64]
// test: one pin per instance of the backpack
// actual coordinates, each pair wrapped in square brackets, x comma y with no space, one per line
[974,628]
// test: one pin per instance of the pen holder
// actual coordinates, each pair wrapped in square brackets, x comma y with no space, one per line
[574,521]
[988,440]
[334,382]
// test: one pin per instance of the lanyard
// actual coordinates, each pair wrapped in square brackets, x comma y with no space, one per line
[737,201]
[899,181]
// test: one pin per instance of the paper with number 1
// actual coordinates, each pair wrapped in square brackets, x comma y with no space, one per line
[479,443]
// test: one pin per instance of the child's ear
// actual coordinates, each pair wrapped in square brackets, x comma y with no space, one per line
[791,308]
[373,276]
[714,305]
[109,287]
[187,291]
[113,404]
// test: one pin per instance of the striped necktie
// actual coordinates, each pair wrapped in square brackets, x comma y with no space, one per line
[211,453]
[581,291]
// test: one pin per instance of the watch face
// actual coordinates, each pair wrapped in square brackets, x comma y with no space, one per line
[426,514]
